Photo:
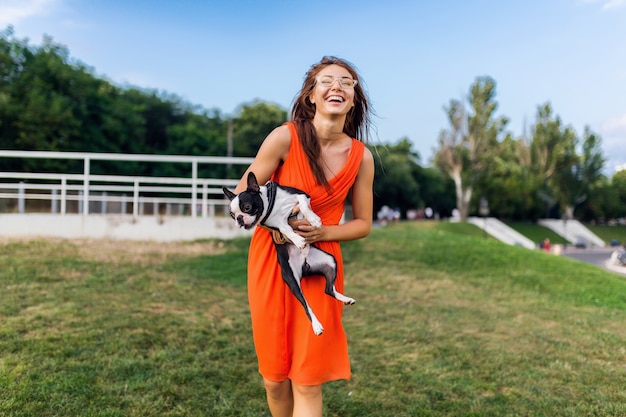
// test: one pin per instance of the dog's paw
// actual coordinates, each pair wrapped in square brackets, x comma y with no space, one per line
[315,221]
[346,300]
[318,329]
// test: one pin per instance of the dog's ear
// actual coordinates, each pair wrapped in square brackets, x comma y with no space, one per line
[253,184]
[229,193]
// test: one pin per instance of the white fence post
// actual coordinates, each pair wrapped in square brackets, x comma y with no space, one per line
[194,187]
[103,203]
[204,199]
[86,186]
[136,199]
[21,203]
[54,202]
[63,194]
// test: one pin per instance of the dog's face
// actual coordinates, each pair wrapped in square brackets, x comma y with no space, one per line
[247,207]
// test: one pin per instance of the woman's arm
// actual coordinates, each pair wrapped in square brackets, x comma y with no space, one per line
[273,150]
[362,208]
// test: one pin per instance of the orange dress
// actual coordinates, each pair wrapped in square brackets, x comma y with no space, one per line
[285,344]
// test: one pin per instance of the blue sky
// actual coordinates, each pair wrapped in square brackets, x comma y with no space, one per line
[413,56]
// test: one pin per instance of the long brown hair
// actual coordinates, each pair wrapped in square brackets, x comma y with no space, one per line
[357,120]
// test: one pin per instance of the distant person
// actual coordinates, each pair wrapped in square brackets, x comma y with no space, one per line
[396,215]
[621,255]
[383,214]
[545,245]
[319,152]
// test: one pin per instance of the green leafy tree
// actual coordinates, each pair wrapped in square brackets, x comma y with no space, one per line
[436,190]
[591,180]
[602,203]
[466,147]
[394,182]
[402,182]
[39,110]
[252,124]
[508,183]
[44,113]
[618,187]
[8,69]
[203,135]
[569,178]
[552,149]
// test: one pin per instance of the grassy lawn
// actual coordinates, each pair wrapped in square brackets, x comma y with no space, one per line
[536,232]
[447,323]
[609,233]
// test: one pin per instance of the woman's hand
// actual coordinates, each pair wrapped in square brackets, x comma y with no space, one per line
[310,233]
[302,227]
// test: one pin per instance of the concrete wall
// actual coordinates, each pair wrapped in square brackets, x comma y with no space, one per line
[502,232]
[154,228]
[572,230]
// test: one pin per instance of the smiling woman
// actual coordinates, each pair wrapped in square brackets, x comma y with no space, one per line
[318,153]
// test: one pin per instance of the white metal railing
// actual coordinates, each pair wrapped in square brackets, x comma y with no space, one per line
[60,188]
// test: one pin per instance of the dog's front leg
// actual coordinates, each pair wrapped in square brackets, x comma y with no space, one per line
[305,209]
[295,238]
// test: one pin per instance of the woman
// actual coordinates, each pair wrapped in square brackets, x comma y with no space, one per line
[317,152]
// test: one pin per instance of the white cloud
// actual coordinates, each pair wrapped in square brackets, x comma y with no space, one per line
[613,4]
[14,11]
[608,4]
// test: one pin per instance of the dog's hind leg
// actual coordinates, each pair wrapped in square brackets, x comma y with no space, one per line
[319,262]
[291,270]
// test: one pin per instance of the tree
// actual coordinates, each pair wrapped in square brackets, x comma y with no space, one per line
[568,177]
[394,184]
[508,182]
[436,190]
[40,115]
[400,181]
[200,134]
[588,173]
[618,185]
[465,149]
[552,150]
[253,123]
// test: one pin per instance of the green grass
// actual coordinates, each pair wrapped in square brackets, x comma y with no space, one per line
[609,233]
[536,232]
[447,323]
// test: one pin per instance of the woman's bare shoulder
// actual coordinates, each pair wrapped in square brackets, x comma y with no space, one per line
[279,140]
[367,158]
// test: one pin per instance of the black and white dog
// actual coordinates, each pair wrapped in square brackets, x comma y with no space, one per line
[271,205]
